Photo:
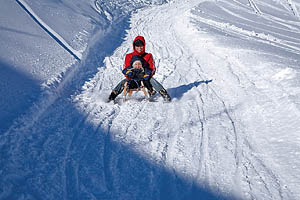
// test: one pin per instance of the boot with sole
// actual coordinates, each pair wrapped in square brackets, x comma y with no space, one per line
[165,95]
[112,96]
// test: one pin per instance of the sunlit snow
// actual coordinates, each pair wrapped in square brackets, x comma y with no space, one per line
[231,131]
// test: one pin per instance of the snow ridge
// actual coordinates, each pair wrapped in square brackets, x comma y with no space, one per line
[50,31]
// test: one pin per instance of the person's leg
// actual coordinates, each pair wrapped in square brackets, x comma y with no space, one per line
[133,84]
[117,90]
[158,87]
[149,87]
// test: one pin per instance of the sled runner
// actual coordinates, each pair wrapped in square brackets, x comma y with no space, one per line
[127,92]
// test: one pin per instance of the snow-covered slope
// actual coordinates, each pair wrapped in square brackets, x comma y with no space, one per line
[230,132]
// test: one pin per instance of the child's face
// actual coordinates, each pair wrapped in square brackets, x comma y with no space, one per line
[137,65]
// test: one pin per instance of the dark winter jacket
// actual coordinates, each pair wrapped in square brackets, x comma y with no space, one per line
[143,73]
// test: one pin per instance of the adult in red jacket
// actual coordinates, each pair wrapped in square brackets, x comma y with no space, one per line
[149,66]
[139,50]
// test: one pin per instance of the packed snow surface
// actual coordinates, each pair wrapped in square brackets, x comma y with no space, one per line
[231,131]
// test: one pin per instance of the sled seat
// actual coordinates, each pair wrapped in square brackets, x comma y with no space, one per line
[127,92]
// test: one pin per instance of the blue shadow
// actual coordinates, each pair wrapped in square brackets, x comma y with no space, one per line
[64,156]
[2,28]
[178,92]
[18,92]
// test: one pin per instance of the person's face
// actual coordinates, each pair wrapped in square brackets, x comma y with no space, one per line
[137,65]
[139,49]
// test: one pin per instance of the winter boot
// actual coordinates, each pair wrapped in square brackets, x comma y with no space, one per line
[165,95]
[112,96]
[150,89]
[151,92]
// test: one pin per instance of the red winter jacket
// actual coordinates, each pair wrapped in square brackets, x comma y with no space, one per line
[147,57]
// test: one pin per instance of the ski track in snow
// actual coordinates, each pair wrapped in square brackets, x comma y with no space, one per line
[199,137]
[175,64]
[254,6]
[293,8]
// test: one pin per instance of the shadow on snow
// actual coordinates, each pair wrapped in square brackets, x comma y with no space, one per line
[18,92]
[2,28]
[178,92]
[63,156]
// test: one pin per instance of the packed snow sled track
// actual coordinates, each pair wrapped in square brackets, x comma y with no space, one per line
[198,146]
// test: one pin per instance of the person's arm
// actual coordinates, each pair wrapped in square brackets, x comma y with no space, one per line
[150,61]
[127,66]
[128,72]
[147,73]
[127,61]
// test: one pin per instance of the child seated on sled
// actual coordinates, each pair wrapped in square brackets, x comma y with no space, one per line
[136,74]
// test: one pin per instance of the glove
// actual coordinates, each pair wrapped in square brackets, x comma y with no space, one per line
[146,77]
[129,73]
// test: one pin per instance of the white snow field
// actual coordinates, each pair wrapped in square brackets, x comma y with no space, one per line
[231,131]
